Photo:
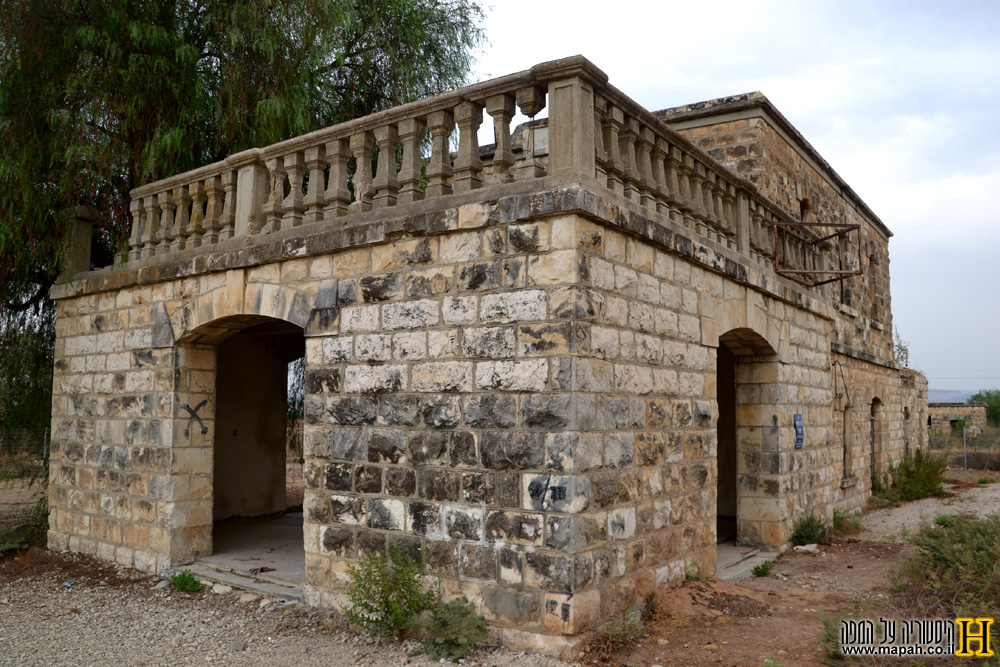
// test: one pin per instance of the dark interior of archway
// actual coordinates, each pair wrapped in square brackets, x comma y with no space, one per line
[727,450]
[251,420]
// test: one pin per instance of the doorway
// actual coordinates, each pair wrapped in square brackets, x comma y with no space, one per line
[748,463]
[727,453]
[254,526]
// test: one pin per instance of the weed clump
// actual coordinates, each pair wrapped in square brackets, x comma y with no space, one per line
[454,628]
[847,523]
[763,569]
[387,594]
[918,475]
[185,582]
[809,529]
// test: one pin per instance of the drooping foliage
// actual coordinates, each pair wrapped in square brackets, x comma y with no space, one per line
[100,96]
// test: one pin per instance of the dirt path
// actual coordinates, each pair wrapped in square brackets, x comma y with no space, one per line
[778,617]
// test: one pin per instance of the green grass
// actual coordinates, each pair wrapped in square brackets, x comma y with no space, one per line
[185,582]
[763,569]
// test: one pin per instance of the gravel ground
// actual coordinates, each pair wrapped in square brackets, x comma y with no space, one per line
[892,524]
[111,616]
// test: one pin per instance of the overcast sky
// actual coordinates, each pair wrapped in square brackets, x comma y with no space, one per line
[901,98]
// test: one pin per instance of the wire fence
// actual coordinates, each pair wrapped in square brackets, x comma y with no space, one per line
[24,442]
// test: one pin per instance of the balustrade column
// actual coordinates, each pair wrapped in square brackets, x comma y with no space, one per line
[213,210]
[228,220]
[741,221]
[713,231]
[630,174]
[363,147]
[272,208]
[151,231]
[468,165]
[196,229]
[439,171]
[338,196]
[166,222]
[135,239]
[501,110]
[686,204]
[385,181]
[644,148]
[411,133]
[293,206]
[315,199]
[658,165]
[182,201]
[611,129]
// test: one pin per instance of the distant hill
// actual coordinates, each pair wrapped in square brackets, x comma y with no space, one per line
[948,395]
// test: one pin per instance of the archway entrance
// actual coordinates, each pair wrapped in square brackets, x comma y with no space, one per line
[748,462]
[253,526]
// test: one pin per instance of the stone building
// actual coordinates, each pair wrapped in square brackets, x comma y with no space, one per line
[560,367]
[945,416]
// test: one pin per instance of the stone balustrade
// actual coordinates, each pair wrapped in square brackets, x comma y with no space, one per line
[342,175]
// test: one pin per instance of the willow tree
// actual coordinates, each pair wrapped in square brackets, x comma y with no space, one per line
[99,96]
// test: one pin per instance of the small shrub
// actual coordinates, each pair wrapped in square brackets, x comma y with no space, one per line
[809,529]
[848,523]
[624,629]
[945,520]
[387,595]
[883,494]
[652,606]
[918,475]
[763,569]
[454,628]
[829,641]
[185,582]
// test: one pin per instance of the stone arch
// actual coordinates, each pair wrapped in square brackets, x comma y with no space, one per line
[750,475]
[743,314]
[228,300]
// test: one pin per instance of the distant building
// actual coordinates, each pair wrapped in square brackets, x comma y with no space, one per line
[943,416]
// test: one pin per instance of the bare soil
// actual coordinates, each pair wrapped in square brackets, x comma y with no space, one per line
[715,622]
[776,618]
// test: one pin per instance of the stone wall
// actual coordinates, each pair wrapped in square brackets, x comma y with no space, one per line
[944,415]
[748,135]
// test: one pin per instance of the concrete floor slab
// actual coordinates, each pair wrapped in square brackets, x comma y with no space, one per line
[733,562]
[242,545]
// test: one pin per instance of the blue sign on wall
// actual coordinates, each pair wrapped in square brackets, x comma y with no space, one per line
[800,431]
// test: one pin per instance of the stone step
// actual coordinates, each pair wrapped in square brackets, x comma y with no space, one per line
[260,584]
[743,564]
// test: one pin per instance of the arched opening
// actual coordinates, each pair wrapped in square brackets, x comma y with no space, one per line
[748,461]
[256,518]
[875,447]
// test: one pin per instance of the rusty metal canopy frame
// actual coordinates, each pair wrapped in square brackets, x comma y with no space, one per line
[815,276]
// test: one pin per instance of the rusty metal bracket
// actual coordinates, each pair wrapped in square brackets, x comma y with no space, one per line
[789,234]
